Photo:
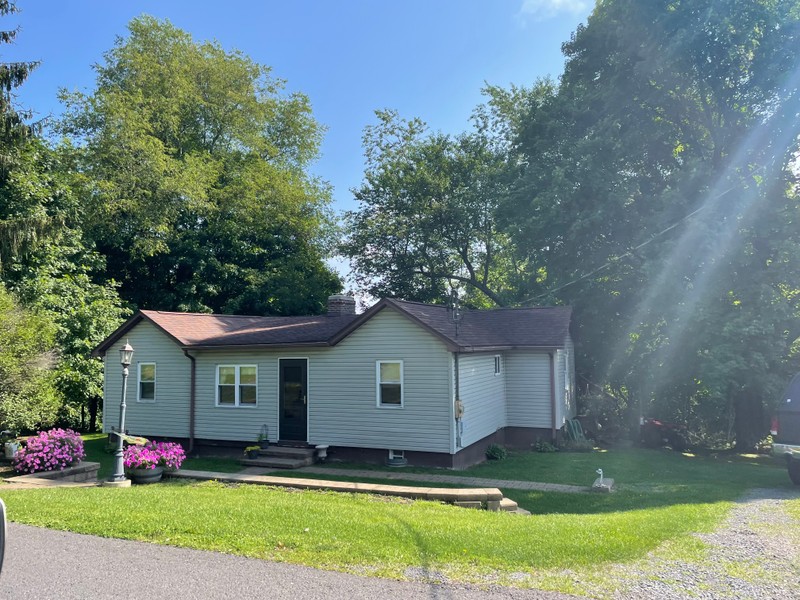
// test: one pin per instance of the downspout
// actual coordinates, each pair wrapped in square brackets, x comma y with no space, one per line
[553,395]
[191,401]
[457,409]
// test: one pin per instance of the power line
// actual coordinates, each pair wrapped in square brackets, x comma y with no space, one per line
[635,249]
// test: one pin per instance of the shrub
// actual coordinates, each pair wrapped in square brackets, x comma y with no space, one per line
[154,454]
[577,445]
[51,450]
[496,452]
[541,446]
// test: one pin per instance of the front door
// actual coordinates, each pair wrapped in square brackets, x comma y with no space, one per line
[293,399]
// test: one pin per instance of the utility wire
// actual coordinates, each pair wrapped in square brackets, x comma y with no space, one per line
[633,250]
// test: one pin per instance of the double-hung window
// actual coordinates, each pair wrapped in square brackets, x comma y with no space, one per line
[389,383]
[146,382]
[237,385]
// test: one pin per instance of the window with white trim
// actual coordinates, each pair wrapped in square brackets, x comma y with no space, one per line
[237,385]
[389,383]
[146,382]
[498,364]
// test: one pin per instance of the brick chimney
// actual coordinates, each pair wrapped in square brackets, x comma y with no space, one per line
[340,305]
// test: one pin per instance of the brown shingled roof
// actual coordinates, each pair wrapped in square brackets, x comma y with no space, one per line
[538,327]
[477,330]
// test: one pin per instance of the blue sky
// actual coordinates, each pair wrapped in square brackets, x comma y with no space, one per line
[425,58]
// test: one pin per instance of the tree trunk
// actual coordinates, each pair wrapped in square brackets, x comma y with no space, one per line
[93,407]
[749,423]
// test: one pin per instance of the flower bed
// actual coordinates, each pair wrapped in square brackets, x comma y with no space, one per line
[52,450]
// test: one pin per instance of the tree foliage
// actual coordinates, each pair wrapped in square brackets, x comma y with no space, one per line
[28,398]
[427,220]
[660,199]
[201,197]
[654,189]
[13,126]
[52,271]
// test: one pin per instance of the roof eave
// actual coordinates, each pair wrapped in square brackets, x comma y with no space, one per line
[101,349]
[140,315]
[467,349]
[254,346]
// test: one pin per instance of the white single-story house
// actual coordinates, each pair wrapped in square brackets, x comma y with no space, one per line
[401,379]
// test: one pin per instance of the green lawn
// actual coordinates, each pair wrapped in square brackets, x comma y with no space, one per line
[634,466]
[357,532]
[644,478]
[663,498]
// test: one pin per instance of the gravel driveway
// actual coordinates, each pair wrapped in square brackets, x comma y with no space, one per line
[755,554]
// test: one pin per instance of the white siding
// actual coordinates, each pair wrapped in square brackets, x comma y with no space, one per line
[527,389]
[342,390]
[483,395]
[241,423]
[341,395]
[169,414]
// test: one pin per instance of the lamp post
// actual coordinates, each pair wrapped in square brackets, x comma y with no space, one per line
[125,358]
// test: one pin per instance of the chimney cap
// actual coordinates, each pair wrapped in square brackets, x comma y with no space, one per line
[341,305]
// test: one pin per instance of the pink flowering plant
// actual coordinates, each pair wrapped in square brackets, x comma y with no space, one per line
[52,450]
[154,454]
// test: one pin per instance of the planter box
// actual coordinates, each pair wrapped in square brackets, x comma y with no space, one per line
[82,472]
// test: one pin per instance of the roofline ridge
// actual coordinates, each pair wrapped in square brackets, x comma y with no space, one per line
[502,308]
[481,310]
[197,314]
[415,302]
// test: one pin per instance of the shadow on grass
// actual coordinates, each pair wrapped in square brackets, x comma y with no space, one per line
[645,478]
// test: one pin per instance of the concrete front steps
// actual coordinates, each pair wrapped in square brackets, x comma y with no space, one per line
[508,505]
[281,457]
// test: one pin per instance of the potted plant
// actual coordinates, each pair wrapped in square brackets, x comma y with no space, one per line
[10,444]
[252,452]
[146,464]
[263,438]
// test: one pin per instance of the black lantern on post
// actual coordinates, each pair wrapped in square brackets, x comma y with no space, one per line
[125,359]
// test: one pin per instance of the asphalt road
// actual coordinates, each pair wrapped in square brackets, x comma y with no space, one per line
[41,563]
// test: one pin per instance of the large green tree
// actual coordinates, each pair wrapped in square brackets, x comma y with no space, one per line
[53,272]
[13,125]
[28,396]
[660,200]
[427,219]
[202,198]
